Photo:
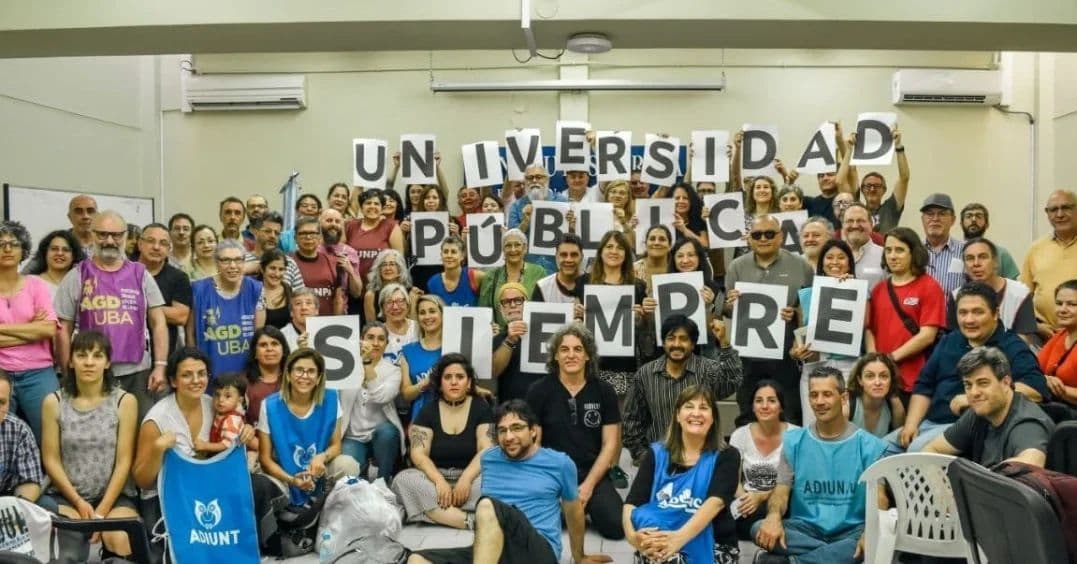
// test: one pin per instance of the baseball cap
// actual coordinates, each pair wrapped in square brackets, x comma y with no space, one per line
[938,201]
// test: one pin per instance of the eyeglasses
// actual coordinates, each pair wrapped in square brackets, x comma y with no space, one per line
[872,186]
[512,302]
[1067,208]
[768,234]
[104,235]
[399,302]
[306,234]
[5,245]
[514,428]
[535,177]
[300,372]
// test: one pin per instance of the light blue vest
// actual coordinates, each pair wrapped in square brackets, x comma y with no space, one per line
[827,491]
[208,508]
[676,498]
[223,328]
[295,440]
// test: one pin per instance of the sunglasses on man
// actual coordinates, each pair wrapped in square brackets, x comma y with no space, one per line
[768,234]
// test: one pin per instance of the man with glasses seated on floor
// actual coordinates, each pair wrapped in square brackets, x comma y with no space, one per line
[769,263]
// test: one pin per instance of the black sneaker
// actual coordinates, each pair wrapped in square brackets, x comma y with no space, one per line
[764,557]
[620,479]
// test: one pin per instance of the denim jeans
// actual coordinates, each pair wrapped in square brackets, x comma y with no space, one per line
[928,431]
[384,446]
[31,387]
[806,544]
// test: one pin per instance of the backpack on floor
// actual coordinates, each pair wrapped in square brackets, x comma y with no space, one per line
[1060,491]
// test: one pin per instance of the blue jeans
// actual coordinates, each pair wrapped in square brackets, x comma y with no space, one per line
[928,431]
[806,544]
[31,387]
[384,446]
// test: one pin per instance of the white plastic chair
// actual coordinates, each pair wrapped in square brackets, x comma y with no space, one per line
[924,519]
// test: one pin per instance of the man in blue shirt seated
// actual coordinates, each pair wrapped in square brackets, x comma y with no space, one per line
[999,425]
[525,489]
[937,397]
[819,482]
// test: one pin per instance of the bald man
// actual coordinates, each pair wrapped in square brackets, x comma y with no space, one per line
[1052,259]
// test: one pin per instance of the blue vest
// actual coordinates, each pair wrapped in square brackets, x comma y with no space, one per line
[463,295]
[223,328]
[827,491]
[208,508]
[420,363]
[295,440]
[676,498]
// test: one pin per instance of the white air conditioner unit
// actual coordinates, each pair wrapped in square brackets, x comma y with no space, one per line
[244,92]
[947,87]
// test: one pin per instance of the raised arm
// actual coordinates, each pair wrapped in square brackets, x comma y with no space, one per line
[901,187]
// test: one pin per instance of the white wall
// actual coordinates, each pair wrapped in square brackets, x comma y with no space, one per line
[976,154]
[87,124]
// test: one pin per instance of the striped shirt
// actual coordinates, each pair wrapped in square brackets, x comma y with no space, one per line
[653,394]
[939,265]
[292,277]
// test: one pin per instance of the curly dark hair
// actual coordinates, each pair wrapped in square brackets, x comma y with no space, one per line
[39,263]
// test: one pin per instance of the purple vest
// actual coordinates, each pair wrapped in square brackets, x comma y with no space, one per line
[113,303]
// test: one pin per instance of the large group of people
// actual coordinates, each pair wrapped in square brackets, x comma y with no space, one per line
[195,338]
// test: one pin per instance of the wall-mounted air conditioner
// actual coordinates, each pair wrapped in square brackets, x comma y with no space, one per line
[244,92]
[947,87]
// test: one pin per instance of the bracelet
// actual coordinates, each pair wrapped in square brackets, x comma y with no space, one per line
[900,149]
[511,346]
[160,363]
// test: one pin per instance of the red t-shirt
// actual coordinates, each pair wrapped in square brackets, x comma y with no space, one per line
[257,391]
[1052,352]
[368,244]
[320,276]
[923,300]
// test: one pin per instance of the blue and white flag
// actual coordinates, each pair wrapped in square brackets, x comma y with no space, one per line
[208,507]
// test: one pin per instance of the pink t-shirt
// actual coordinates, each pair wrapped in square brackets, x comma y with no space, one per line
[20,308]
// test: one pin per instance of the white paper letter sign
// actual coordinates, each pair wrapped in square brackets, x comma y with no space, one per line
[417,159]
[790,223]
[874,139]
[543,320]
[758,330]
[593,220]
[660,160]
[710,162]
[548,224]
[337,338]
[523,147]
[759,149]
[821,153]
[467,331]
[484,232]
[368,163]
[725,224]
[649,213]
[613,155]
[679,293]
[428,230]
[837,315]
[572,151]
[608,314]
[482,166]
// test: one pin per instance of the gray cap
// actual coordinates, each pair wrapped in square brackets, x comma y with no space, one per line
[938,201]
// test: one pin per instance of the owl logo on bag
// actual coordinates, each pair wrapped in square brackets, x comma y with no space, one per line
[302,456]
[207,515]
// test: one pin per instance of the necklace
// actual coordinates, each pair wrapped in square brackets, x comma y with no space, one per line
[456,403]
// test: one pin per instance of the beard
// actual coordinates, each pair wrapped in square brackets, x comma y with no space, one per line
[973,231]
[109,253]
[331,236]
[537,192]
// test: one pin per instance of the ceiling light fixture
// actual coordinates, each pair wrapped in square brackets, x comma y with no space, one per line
[589,43]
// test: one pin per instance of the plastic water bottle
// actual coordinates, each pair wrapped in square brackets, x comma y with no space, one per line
[325,552]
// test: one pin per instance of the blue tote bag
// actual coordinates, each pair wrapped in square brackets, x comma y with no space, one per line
[208,508]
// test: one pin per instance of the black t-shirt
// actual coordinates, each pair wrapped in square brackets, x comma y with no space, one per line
[723,486]
[513,384]
[175,286]
[573,425]
[823,206]
[454,451]
[614,363]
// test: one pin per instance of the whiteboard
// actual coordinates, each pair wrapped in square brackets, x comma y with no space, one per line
[42,210]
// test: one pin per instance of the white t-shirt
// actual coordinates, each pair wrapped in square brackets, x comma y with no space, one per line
[263,420]
[760,472]
[397,342]
[168,417]
[25,528]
